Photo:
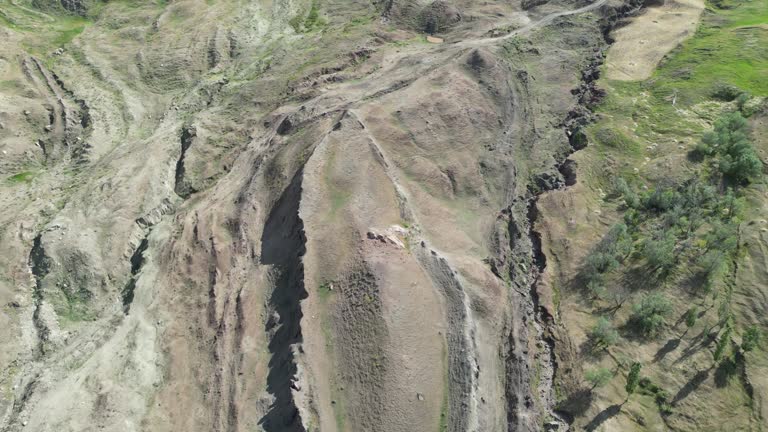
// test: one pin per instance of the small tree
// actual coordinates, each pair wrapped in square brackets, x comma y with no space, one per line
[741,102]
[712,265]
[596,287]
[633,378]
[751,338]
[648,315]
[690,316]
[603,334]
[722,344]
[598,377]
[722,237]
[601,262]
[660,252]
[736,158]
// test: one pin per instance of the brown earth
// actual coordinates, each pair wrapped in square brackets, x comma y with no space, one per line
[225,216]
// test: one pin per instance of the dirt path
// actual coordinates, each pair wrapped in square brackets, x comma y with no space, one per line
[641,45]
[534,25]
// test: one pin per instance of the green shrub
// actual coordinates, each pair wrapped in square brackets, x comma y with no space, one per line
[722,237]
[691,315]
[741,102]
[596,287]
[660,396]
[601,262]
[660,252]
[613,248]
[736,158]
[661,200]
[648,316]
[725,92]
[712,265]
[598,377]
[722,344]
[623,190]
[751,338]
[603,335]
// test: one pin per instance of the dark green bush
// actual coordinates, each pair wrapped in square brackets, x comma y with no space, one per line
[725,92]
[736,158]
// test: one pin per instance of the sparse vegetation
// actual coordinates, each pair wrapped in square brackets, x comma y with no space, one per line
[723,344]
[660,396]
[751,338]
[691,315]
[22,177]
[682,197]
[603,334]
[598,377]
[648,316]
[312,21]
[659,252]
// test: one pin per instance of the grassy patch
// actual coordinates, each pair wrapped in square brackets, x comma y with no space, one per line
[312,21]
[729,47]
[41,31]
[22,177]
[324,291]
[65,36]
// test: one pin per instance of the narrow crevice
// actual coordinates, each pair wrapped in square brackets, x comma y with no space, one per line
[181,186]
[137,261]
[40,265]
[283,245]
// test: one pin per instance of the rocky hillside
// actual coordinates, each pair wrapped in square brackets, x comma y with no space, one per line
[326,215]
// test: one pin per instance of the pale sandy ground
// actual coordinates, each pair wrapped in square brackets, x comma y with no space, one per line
[641,44]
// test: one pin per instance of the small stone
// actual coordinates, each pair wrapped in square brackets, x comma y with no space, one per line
[419,396]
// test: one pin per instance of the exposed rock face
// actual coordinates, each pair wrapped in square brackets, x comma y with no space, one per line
[245,228]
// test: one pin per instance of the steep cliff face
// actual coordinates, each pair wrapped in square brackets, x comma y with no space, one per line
[284,216]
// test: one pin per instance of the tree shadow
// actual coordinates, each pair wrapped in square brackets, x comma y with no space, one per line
[640,277]
[726,370]
[691,386]
[590,349]
[577,402]
[695,156]
[602,417]
[698,342]
[670,346]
